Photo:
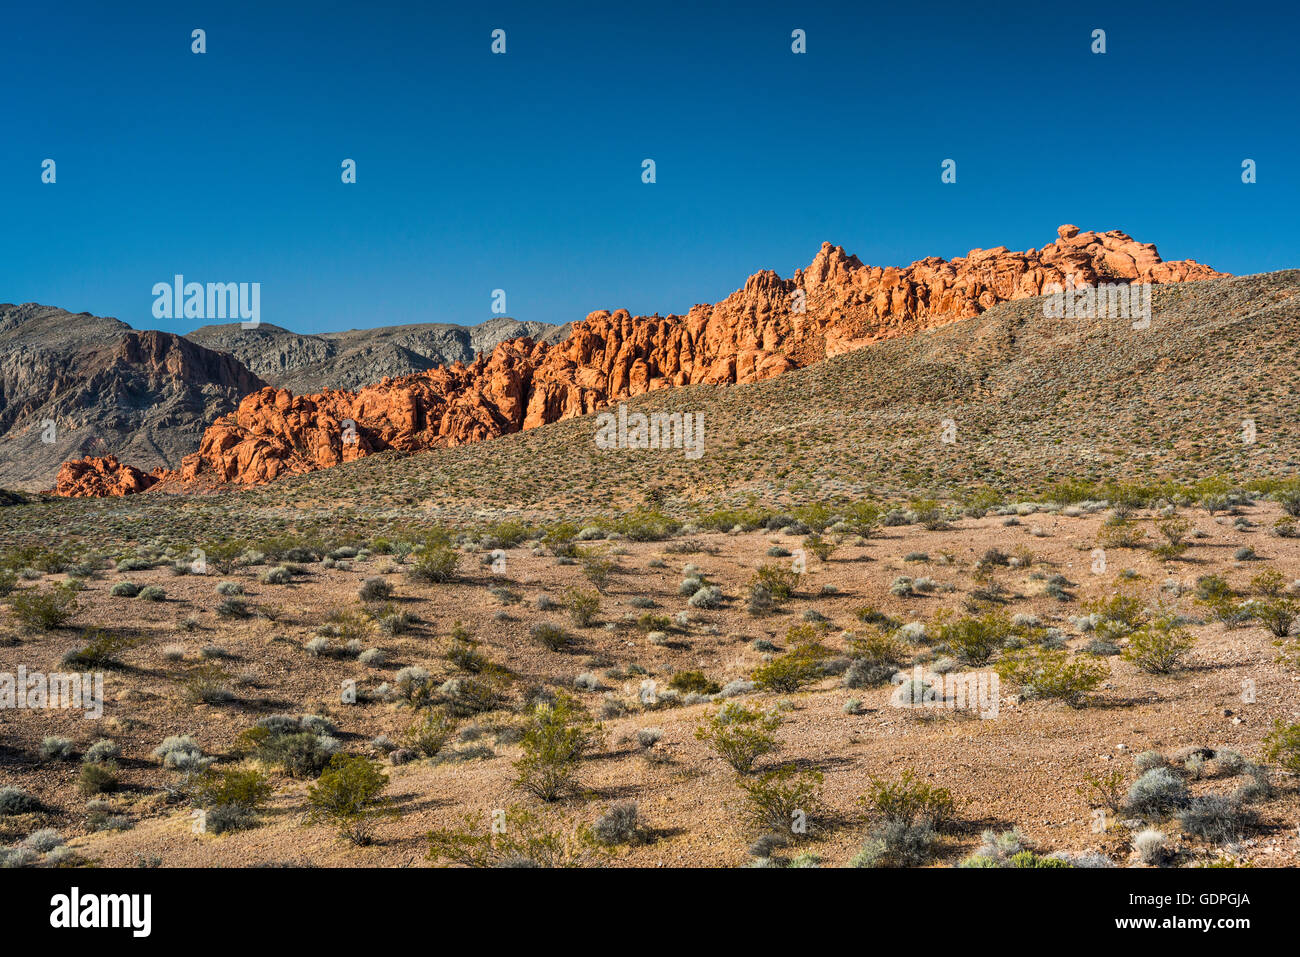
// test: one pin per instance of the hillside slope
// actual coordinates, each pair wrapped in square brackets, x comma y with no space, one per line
[769,327]
[1031,400]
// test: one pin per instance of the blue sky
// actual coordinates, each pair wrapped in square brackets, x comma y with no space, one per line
[523,171]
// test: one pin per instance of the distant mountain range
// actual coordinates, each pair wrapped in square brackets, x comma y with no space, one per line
[305,363]
[74,385]
[766,329]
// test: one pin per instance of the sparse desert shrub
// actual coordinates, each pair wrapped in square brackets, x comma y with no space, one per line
[1174,530]
[229,589]
[791,671]
[550,636]
[739,735]
[393,622]
[55,748]
[554,742]
[894,843]
[1157,793]
[231,798]
[181,753]
[583,606]
[1147,760]
[1282,746]
[1117,616]
[1030,859]
[707,597]
[1273,608]
[414,684]
[1289,499]
[209,684]
[878,648]
[375,589]
[1159,646]
[1104,790]
[463,652]
[1151,846]
[972,638]
[152,593]
[863,673]
[373,657]
[760,601]
[693,681]
[782,801]
[1217,818]
[596,567]
[101,649]
[902,586]
[909,800]
[520,838]
[1121,534]
[37,610]
[44,840]
[430,734]
[1011,849]
[349,795]
[1047,673]
[302,754]
[819,546]
[102,750]
[124,590]
[778,581]
[233,608]
[929,515]
[619,825]
[18,857]
[97,778]
[16,801]
[436,565]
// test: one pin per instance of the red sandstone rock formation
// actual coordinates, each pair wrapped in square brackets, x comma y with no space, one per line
[770,326]
[102,477]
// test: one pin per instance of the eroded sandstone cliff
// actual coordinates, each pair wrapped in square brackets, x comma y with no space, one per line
[766,328]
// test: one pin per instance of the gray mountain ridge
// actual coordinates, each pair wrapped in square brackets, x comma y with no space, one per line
[312,362]
[76,384]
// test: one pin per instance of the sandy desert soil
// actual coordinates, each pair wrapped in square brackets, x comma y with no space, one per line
[1021,768]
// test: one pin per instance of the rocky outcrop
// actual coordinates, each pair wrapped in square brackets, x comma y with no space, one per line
[769,327]
[73,385]
[101,477]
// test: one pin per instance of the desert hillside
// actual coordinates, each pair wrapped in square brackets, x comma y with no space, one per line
[768,328]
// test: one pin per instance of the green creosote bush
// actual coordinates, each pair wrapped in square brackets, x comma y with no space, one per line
[1047,673]
[793,670]
[231,798]
[1159,646]
[583,606]
[783,801]
[44,610]
[557,737]
[739,735]
[515,837]
[349,796]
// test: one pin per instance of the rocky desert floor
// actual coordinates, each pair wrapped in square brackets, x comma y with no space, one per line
[187,670]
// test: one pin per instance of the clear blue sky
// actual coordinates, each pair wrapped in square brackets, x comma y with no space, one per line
[523,171]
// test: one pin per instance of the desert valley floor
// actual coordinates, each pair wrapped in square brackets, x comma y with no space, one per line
[281,649]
